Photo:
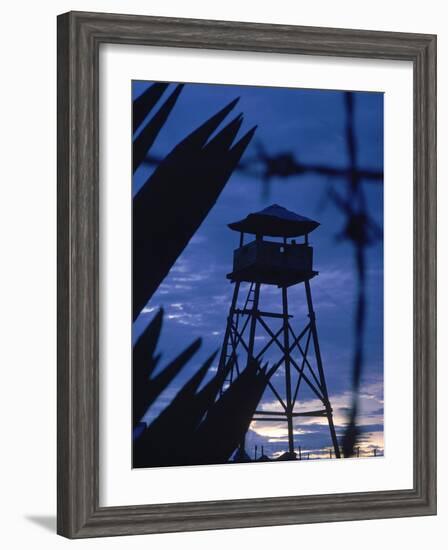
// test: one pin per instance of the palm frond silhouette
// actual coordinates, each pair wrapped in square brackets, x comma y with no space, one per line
[195,172]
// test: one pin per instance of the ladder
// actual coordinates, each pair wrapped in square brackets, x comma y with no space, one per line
[229,353]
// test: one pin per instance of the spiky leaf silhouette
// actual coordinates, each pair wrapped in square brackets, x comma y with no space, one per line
[146,389]
[144,361]
[163,442]
[219,435]
[144,103]
[146,138]
[167,211]
[196,427]
[176,198]
[169,440]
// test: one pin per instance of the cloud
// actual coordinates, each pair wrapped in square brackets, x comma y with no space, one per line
[148,309]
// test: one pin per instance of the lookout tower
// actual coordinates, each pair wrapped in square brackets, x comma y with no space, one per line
[250,332]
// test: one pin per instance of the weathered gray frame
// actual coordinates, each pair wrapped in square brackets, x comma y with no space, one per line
[79,37]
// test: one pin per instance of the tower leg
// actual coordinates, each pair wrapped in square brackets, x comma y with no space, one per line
[253,322]
[323,384]
[251,343]
[289,404]
[225,345]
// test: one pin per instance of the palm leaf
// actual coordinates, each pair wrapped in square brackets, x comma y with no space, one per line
[143,105]
[146,390]
[147,136]
[144,361]
[175,200]
[219,435]
[163,442]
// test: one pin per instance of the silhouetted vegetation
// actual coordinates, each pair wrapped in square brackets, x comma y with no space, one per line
[195,427]
[146,390]
[195,172]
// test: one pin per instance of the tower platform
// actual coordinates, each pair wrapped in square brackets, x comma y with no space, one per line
[273,263]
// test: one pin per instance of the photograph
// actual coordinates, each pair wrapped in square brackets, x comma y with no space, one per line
[257,274]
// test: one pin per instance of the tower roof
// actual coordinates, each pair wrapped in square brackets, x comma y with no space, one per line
[275,221]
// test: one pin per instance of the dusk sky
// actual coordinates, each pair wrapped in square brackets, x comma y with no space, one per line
[196,295]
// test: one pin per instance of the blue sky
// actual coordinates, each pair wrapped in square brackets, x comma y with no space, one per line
[196,294]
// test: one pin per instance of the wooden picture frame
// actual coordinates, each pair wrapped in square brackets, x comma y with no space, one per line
[79,37]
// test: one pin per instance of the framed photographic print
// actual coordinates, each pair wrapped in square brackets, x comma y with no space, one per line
[246,274]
